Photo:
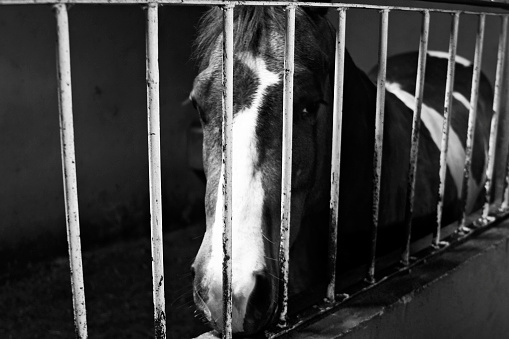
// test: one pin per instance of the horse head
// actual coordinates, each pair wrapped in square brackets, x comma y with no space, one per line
[259,34]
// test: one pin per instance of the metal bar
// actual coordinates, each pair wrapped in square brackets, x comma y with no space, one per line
[472,117]
[497,8]
[227,139]
[505,198]
[416,127]
[497,99]
[69,171]
[336,151]
[286,180]
[453,38]
[379,130]
[154,165]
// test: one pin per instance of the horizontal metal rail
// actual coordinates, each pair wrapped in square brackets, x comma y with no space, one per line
[488,5]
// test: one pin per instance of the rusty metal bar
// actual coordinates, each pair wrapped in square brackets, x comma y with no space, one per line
[379,130]
[416,127]
[494,7]
[336,150]
[499,83]
[497,99]
[453,39]
[286,182]
[154,165]
[69,170]
[227,139]
[472,117]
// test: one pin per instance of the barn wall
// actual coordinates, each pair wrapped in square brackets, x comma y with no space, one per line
[108,70]
[109,94]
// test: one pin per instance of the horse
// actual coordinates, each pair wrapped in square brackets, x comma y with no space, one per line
[257,148]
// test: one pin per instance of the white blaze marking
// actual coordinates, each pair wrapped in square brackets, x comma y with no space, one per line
[247,198]
[445,55]
[461,98]
[433,121]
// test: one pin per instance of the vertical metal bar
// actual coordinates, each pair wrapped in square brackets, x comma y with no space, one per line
[227,139]
[503,84]
[472,116]
[497,99]
[416,127]
[379,130]
[154,164]
[69,170]
[336,150]
[286,182]
[453,38]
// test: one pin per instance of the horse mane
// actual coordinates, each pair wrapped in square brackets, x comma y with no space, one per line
[256,20]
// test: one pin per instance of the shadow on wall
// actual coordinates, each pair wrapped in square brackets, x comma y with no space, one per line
[109,99]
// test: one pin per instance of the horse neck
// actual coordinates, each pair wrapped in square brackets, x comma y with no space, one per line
[359,102]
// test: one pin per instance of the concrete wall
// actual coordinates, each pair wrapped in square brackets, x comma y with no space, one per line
[460,294]
[108,70]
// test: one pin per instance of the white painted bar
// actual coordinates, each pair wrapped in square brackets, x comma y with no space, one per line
[154,157]
[497,101]
[416,127]
[69,171]
[472,118]
[453,38]
[379,131]
[227,139]
[286,179]
[495,7]
[339,73]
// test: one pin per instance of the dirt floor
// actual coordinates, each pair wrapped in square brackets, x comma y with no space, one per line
[36,302]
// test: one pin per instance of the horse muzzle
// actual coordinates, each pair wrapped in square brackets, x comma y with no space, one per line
[254,304]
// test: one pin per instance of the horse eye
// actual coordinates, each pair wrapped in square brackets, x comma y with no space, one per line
[193,101]
[312,109]
[197,108]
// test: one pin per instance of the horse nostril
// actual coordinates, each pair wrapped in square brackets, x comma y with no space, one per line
[193,273]
[261,304]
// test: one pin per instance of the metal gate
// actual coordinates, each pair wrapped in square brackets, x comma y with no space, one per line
[466,226]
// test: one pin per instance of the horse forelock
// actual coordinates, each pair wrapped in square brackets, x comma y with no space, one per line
[255,30]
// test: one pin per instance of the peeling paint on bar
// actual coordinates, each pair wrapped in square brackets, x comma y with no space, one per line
[69,171]
[336,151]
[497,99]
[472,118]
[379,130]
[286,180]
[154,163]
[416,126]
[227,140]
[453,39]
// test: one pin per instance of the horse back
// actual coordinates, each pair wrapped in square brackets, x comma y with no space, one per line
[400,103]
